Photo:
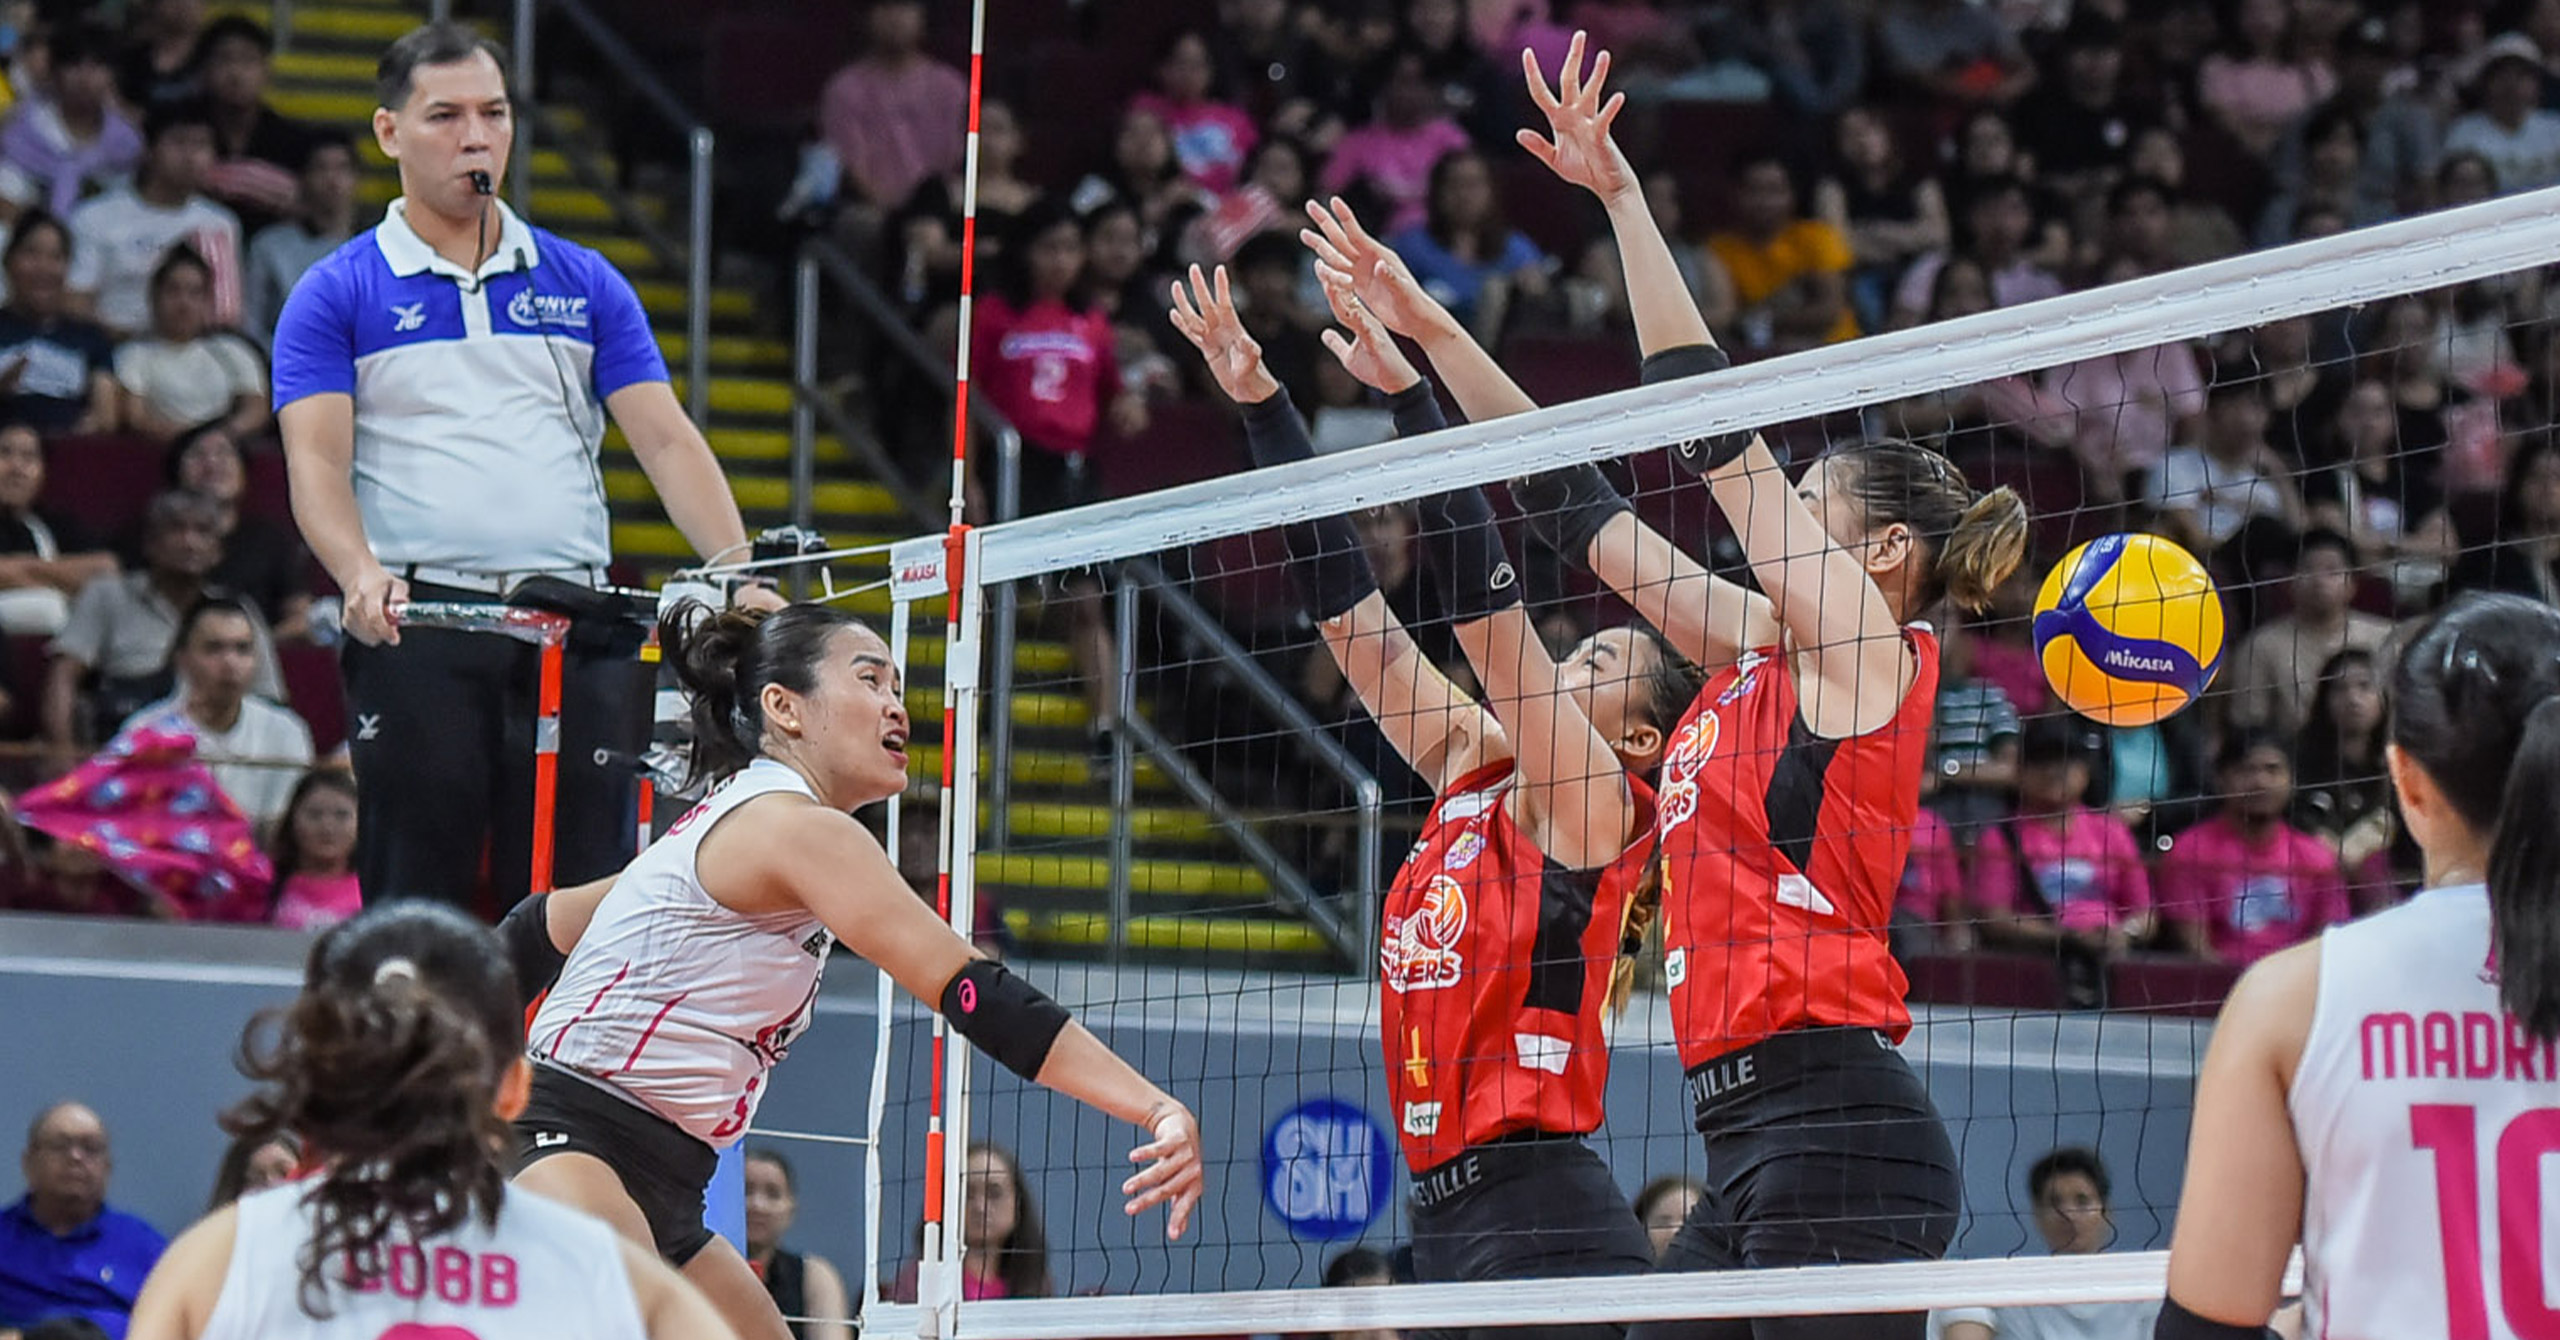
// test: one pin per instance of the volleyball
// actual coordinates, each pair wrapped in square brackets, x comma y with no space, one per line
[2128,629]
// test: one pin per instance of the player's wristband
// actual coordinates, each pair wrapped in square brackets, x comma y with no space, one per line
[2177,1323]
[1568,508]
[526,930]
[1698,455]
[1464,554]
[1417,410]
[1327,562]
[1004,1016]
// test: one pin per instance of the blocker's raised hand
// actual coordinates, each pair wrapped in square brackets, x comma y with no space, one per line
[1381,279]
[1364,346]
[1578,146]
[1205,313]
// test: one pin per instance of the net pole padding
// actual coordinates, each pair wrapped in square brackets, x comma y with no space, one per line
[1801,1291]
[2408,256]
[644,805]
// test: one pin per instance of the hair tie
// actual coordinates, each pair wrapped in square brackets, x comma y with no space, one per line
[395,967]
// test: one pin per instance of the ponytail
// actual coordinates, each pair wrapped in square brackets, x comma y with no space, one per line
[725,660]
[1987,544]
[1635,928]
[1973,541]
[2524,878]
[707,648]
[398,1087]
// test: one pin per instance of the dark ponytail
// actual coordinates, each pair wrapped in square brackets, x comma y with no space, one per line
[725,659]
[2476,703]
[388,1068]
[2524,877]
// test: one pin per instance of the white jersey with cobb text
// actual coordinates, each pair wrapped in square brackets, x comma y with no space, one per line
[2429,1123]
[545,1272]
[677,1002]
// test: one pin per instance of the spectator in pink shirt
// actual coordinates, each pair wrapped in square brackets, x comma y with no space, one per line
[2261,84]
[1210,138]
[1929,913]
[895,116]
[2062,876]
[1393,155]
[2245,883]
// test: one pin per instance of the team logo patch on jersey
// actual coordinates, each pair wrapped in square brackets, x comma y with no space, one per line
[1675,967]
[1422,1120]
[1420,952]
[1464,851]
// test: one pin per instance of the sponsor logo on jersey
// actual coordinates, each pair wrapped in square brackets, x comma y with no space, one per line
[1675,967]
[817,945]
[1746,677]
[1537,1051]
[550,1139]
[1467,805]
[1464,851]
[1422,1120]
[1420,952]
[565,310]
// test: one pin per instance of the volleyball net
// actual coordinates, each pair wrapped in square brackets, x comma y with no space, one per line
[2346,431]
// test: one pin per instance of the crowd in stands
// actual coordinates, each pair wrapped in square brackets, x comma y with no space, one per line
[152,588]
[1828,168]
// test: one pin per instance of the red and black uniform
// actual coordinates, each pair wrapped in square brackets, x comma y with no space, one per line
[1495,964]
[1782,853]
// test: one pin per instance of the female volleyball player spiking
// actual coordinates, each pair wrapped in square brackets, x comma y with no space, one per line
[1791,787]
[2387,1093]
[1499,929]
[688,976]
[403,1058]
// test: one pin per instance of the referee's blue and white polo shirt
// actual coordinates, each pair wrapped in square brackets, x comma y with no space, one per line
[466,456]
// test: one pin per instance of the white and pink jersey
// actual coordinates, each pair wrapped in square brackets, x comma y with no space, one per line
[2429,1123]
[677,1002]
[545,1272]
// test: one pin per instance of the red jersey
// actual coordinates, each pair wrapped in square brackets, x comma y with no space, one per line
[1049,368]
[1782,853]
[1495,963]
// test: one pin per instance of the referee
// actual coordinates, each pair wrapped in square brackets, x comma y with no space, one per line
[442,382]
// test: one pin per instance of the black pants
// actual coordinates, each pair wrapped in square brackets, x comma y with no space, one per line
[663,1170]
[441,728]
[1822,1149]
[1540,1207]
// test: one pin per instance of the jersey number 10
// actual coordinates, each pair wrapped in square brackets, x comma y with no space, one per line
[2451,1132]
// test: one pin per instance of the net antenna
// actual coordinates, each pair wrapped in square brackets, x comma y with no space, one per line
[1185,1291]
[946,1124]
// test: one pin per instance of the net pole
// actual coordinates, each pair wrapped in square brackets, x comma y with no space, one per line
[876,1104]
[937,1273]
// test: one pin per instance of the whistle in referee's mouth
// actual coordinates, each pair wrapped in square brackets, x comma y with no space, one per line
[482,182]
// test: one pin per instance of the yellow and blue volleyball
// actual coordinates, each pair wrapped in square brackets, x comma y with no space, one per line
[2128,629]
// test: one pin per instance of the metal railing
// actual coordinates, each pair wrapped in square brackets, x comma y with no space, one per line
[694,253]
[1355,937]
[823,268]
[822,265]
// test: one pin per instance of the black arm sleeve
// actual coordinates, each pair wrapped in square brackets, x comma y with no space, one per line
[1326,561]
[1004,1016]
[1698,455]
[527,933]
[1568,508]
[1464,554]
[1416,410]
[2177,1323]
